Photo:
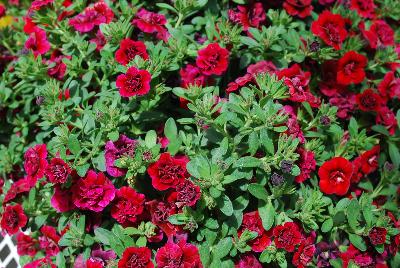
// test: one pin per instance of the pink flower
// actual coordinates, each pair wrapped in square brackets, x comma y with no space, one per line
[92,16]
[94,192]
[307,164]
[124,146]
[58,67]
[150,22]
[192,75]
[61,200]
[37,42]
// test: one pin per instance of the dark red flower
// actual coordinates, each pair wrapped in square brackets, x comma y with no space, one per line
[334,176]
[127,206]
[57,67]
[187,194]
[369,160]
[182,255]
[13,218]
[331,28]
[380,34]
[40,263]
[287,236]
[150,22]
[304,254]
[359,258]
[389,87]
[377,235]
[124,146]
[212,59]
[49,240]
[99,40]
[252,16]
[262,67]
[387,118]
[35,162]
[136,258]
[368,100]
[37,42]
[160,212]
[103,10]
[252,222]
[92,16]
[94,192]
[168,171]
[134,82]
[57,171]
[364,8]
[129,49]
[191,75]
[2,10]
[26,245]
[61,200]
[38,4]
[300,8]
[306,164]
[17,188]
[248,261]
[351,68]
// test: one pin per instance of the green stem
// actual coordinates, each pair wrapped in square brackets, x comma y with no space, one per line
[180,18]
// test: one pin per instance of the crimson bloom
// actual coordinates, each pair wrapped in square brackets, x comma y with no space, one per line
[387,118]
[252,222]
[94,192]
[114,150]
[368,100]
[13,218]
[136,257]
[334,176]
[300,8]
[93,16]
[150,22]
[57,67]
[364,8]
[182,254]
[61,200]
[287,236]
[377,235]
[212,59]
[389,87]
[248,261]
[26,245]
[160,212]
[49,240]
[35,162]
[134,82]
[38,4]
[187,194]
[129,49]
[57,171]
[304,254]
[248,16]
[192,75]
[2,10]
[168,171]
[306,164]
[380,34]
[351,68]
[37,42]
[128,205]
[331,28]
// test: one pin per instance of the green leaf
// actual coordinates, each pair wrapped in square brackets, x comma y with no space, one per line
[150,139]
[353,127]
[267,214]
[258,191]
[358,242]
[353,211]
[170,129]
[222,248]
[266,141]
[103,235]
[247,161]
[394,154]
[327,225]
[225,205]
[253,142]
[73,144]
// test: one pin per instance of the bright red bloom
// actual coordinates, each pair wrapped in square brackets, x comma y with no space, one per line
[13,218]
[387,118]
[168,171]
[331,28]
[304,254]
[128,205]
[26,245]
[150,22]
[300,8]
[368,100]
[37,42]
[377,235]
[334,176]
[252,16]
[364,8]
[362,259]
[136,257]
[287,236]
[103,10]
[61,200]
[212,59]
[94,264]
[380,34]
[94,192]
[29,26]
[252,222]
[182,255]
[306,164]
[49,240]
[248,261]
[129,49]
[191,75]
[57,171]
[35,162]
[134,82]
[389,87]
[351,68]
[369,160]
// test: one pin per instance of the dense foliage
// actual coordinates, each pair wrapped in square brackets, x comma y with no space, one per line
[201,133]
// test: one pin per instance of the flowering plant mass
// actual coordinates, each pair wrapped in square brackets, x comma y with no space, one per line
[201,133]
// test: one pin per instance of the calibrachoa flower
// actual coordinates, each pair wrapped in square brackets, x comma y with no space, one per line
[94,192]
[2,10]
[351,68]
[192,75]
[61,200]
[124,146]
[168,172]
[380,34]
[129,49]
[334,176]
[387,118]
[134,82]
[252,222]
[37,42]
[300,8]
[368,100]
[248,261]
[330,28]
[304,254]
[136,257]
[287,236]
[13,218]
[57,171]
[128,205]
[35,163]
[57,67]
[150,22]
[377,235]
[307,165]
[365,8]
[187,194]
[179,254]
[389,87]
[251,16]
[49,240]
[213,59]
[26,245]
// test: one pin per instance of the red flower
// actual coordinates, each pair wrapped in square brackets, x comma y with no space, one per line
[17,188]
[377,235]
[212,59]
[182,254]
[94,264]
[300,8]
[252,16]
[99,40]
[35,162]
[94,192]
[38,4]
[330,28]
[252,222]
[128,205]
[124,146]
[168,171]
[150,22]
[387,118]
[359,258]
[92,16]
[26,245]
[103,10]
[335,176]
[39,263]
[379,34]
[369,160]
[389,87]
[136,257]
[304,254]
[57,171]
[2,10]
[351,68]
[129,49]
[191,75]
[61,200]
[364,8]
[13,218]
[369,101]
[187,194]
[306,164]
[49,240]
[287,236]
[248,261]
[58,67]
[160,212]
[134,82]
[37,42]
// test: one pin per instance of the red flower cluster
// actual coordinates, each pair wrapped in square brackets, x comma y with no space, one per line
[92,16]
